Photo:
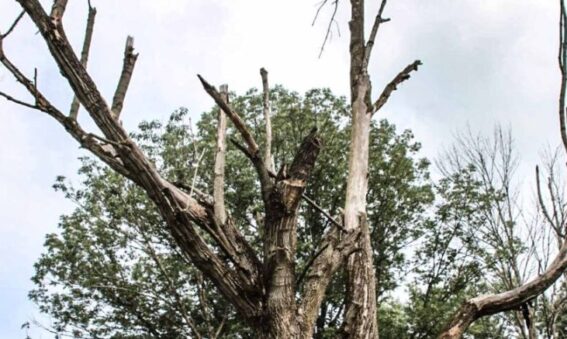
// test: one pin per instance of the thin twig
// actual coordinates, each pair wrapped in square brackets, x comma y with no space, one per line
[329,27]
[322,211]
[321,5]
[19,102]
[14,24]
[195,174]
[35,86]
[308,266]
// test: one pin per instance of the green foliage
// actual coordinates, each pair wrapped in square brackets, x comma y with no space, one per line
[114,270]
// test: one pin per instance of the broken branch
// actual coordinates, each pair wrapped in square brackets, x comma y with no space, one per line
[127,70]
[218,182]
[268,160]
[74,111]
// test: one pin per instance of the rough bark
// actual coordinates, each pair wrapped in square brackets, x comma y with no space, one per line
[180,211]
[360,312]
[280,242]
[263,293]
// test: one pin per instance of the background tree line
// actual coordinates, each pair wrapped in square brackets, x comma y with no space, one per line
[114,271]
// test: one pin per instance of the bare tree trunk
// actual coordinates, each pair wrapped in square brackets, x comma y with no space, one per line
[360,311]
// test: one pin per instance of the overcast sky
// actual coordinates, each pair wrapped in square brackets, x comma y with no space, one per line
[485,62]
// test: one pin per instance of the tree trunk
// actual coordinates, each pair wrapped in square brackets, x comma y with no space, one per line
[360,310]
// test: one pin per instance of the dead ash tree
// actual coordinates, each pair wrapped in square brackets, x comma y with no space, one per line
[261,286]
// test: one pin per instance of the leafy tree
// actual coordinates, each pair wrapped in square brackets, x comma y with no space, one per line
[114,272]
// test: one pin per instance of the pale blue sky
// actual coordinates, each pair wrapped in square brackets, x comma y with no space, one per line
[485,62]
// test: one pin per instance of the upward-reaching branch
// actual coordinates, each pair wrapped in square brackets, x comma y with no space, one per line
[218,184]
[127,69]
[251,150]
[563,67]
[74,111]
[372,38]
[236,280]
[251,144]
[268,160]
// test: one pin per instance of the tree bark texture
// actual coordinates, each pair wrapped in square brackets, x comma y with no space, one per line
[360,312]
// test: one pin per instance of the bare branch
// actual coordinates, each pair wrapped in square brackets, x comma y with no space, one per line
[14,24]
[234,117]
[218,182]
[19,102]
[323,212]
[562,65]
[127,70]
[512,299]
[321,5]
[79,80]
[268,159]
[180,211]
[330,26]
[393,85]
[42,104]
[221,326]
[74,111]
[372,38]
[544,210]
[251,150]
[196,172]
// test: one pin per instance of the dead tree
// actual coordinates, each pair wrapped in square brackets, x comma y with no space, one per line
[516,298]
[261,286]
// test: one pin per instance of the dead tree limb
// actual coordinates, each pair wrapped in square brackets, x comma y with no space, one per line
[218,181]
[238,283]
[127,70]
[12,26]
[251,150]
[372,38]
[268,159]
[393,85]
[74,111]
[509,300]
[475,308]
